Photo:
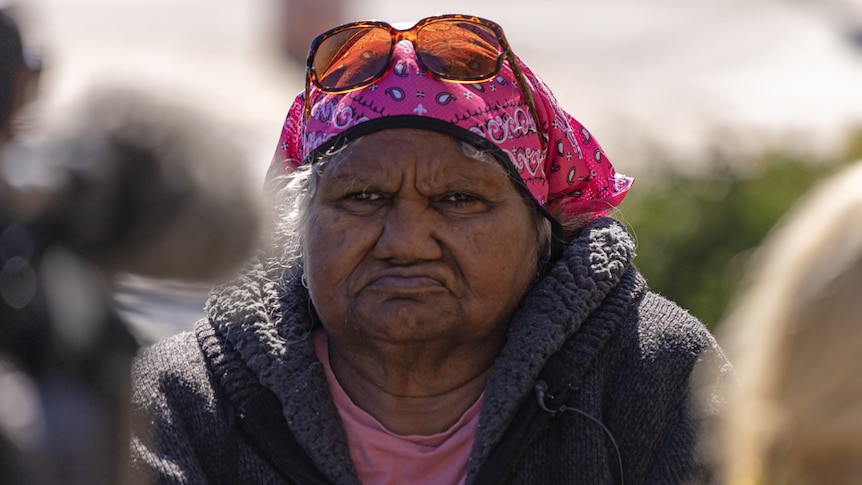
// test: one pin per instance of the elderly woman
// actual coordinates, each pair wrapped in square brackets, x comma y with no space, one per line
[446,302]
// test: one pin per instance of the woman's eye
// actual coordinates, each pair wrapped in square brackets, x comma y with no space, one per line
[365,196]
[462,203]
[458,197]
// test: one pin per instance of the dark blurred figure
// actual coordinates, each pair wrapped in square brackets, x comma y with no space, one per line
[19,74]
[795,339]
[131,185]
[32,429]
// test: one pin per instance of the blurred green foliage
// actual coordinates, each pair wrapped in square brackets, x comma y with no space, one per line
[695,231]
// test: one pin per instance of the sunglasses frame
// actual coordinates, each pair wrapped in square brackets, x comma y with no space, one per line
[410,34]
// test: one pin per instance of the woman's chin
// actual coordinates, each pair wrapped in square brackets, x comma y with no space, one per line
[408,320]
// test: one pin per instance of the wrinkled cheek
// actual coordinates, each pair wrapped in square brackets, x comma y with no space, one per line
[323,237]
[506,270]
[333,253]
[326,283]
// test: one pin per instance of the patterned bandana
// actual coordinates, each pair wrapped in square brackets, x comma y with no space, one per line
[569,174]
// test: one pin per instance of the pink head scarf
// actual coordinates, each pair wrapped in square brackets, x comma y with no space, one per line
[569,174]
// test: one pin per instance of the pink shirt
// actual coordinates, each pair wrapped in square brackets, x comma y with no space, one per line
[383,457]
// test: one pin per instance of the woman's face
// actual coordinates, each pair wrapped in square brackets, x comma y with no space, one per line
[410,241]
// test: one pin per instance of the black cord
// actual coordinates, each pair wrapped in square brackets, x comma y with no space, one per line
[542,387]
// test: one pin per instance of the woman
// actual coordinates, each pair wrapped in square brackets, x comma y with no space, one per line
[446,302]
[796,335]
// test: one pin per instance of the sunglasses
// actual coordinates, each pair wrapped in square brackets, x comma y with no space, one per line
[454,48]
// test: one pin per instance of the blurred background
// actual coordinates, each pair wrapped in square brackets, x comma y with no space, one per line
[725,111]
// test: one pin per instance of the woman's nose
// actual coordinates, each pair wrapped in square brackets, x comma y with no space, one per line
[409,233]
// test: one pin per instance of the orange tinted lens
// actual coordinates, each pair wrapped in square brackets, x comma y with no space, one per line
[458,50]
[352,57]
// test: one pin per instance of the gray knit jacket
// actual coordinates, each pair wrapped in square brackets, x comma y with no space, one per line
[599,381]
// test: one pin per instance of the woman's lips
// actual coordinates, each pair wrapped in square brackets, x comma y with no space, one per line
[405,283]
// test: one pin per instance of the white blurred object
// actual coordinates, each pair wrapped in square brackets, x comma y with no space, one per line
[676,75]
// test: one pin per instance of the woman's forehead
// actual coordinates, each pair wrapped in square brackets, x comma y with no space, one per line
[433,155]
[421,138]
[400,145]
